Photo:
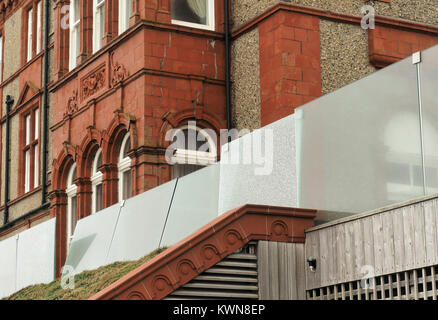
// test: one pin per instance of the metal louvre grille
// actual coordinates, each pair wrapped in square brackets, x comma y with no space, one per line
[418,284]
[235,277]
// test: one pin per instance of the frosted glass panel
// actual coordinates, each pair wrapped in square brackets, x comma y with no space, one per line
[8,270]
[429,97]
[27,258]
[141,224]
[92,239]
[194,205]
[266,180]
[360,145]
[36,255]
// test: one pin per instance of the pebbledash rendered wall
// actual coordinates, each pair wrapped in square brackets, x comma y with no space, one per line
[333,44]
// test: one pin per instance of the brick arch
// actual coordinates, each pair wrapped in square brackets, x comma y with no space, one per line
[89,146]
[203,120]
[62,163]
[111,141]
[113,136]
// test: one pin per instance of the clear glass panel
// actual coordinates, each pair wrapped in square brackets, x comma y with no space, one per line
[92,240]
[194,11]
[37,124]
[127,184]
[38,35]
[429,97]
[77,11]
[126,148]
[195,204]
[360,146]
[27,171]
[141,224]
[74,212]
[28,132]
[261,168]
[36,255]
[98,197]
[36,169]
[29,34]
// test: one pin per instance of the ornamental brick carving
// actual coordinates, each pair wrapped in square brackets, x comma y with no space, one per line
[72,104]
[93,82]
[119,72]
[202,250]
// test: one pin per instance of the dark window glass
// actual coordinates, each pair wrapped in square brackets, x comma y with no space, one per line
[194,11]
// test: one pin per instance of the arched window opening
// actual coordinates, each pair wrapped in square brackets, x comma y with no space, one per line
[195,149]
[72,203]
[96,183]
[124,167]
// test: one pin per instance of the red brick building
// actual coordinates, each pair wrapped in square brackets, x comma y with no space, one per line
[123,73]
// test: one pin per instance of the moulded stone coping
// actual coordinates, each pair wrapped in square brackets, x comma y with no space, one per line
[206,247]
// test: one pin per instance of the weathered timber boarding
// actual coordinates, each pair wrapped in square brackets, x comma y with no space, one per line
[281,271]
[389,244]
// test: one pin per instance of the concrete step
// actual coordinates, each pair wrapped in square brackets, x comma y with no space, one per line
[232,271]
[201,285]
[226,279]
[234,264]
[213,294]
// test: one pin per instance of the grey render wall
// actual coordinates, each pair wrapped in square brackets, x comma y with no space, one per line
[245,76]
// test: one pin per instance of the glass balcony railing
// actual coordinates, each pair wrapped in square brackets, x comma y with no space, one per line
[372,143]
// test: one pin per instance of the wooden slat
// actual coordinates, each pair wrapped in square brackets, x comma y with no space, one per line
[399,246]
[399,293]
[349,252]
[378,244]
[300,270]
[430,232]
[419,236]
[433,276]
[359,255]
[340,234]
[408,237]
[388,243]
[323,264]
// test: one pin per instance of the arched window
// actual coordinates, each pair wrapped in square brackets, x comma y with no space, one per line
[72,204]
[124,167]
[96,183]
[195,149]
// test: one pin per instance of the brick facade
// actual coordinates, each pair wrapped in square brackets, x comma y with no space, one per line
[157,76]
[290,63]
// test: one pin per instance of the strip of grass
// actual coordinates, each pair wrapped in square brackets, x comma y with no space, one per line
[87,283]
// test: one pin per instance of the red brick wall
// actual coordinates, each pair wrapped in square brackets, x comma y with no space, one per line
[389,44]
[290,63]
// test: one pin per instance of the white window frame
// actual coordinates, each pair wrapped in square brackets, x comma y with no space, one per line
[98,5]
[200,158]
[36,172]
[29,34]
[27,154]
[75,32]
[210,19]
[71,192]
[96,180]
[38,35]
[125,13]
[124,165]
